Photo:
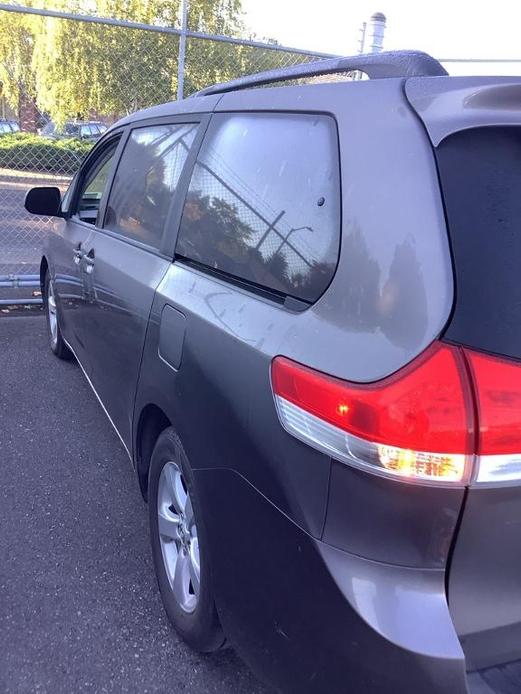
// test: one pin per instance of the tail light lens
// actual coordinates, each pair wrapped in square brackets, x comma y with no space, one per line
[497,388]
[415,424]
[450,417]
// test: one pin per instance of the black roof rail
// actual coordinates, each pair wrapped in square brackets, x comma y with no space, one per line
[374,65]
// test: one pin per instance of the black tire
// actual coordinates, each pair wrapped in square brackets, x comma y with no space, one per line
[56,343]
[200,628]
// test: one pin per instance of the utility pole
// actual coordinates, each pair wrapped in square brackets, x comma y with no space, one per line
[182,50]
[361,48]
[361,41]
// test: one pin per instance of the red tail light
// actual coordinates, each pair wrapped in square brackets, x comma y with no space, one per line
[497,388]
[418,424]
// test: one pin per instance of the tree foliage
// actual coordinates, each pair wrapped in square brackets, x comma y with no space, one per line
[77,69]
[16,50]
[84,69]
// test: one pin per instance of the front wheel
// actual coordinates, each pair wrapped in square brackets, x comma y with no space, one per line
[179,547]
[56,341]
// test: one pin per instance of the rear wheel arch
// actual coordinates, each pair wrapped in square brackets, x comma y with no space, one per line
[152,422]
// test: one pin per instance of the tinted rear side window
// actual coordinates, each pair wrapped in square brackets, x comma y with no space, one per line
[480,171]
[264,202]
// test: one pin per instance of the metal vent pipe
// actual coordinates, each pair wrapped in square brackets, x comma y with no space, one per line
[378,21]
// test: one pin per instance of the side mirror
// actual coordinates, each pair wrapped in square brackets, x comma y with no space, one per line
[44,200]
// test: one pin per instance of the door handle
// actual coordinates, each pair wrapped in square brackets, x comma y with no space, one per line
[88,259]
[77,255]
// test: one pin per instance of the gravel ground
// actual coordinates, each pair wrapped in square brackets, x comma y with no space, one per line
[79,605]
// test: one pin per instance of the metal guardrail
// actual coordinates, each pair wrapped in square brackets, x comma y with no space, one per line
[15,282]
[19,281]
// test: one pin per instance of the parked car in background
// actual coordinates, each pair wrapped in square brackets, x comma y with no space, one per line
[85,130]
[7,127]
[260,286]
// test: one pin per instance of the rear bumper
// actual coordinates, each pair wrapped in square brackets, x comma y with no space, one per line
[485,577]
[309,617]
[502,679]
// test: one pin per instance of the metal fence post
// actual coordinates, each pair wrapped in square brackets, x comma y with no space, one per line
[182,50]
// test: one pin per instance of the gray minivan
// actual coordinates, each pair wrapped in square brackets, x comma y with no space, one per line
[300,307]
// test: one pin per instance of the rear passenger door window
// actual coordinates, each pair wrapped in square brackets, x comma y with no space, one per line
[263,205]
[146,180]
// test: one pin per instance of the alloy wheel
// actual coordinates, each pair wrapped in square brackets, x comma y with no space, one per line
[178,537]
[53,315]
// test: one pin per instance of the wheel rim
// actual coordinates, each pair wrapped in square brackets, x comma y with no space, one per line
[53,315]
[178,537]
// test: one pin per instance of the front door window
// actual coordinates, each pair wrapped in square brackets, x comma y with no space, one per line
[93,186]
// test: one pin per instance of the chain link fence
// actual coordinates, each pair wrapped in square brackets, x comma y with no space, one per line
[64,79]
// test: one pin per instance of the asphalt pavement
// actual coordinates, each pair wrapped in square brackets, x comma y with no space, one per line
[79,605]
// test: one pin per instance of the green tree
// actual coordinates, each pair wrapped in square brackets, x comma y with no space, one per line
[79,69]
[84,69]
[16,49]
[76,69]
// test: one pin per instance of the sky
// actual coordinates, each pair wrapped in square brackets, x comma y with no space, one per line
[445,28]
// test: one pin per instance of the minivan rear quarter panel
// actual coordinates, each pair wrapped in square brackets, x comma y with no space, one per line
[393,289]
